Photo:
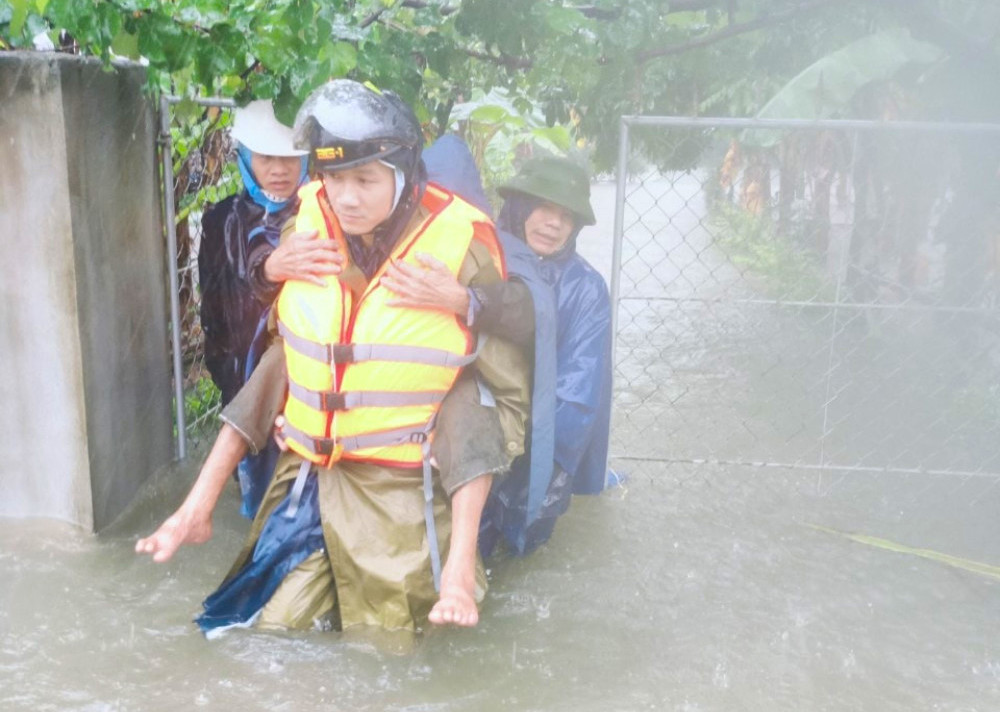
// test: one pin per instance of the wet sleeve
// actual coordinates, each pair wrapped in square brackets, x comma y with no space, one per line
[507,311]
[503,365]
[252,412]
[478,268]
[584,370]
[211,266]
[468,440]
[263,289]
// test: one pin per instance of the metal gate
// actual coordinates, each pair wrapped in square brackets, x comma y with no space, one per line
[810,295]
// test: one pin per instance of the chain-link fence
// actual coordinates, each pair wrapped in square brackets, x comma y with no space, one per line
[198,170]
[807,359]
[809,295]
[806,399]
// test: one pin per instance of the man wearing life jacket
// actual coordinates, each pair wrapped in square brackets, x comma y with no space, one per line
[355,524]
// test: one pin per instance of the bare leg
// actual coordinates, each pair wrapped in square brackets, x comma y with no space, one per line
[457,603]
[192,522]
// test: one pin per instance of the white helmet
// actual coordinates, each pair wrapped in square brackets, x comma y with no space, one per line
[256,127]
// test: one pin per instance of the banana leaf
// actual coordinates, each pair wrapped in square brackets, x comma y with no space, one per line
[976,567]
[826,87]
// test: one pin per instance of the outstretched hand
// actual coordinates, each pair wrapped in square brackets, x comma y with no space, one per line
[304,257]
[431,285]
[182,527]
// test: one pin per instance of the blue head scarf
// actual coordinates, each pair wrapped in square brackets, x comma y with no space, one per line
[257,194]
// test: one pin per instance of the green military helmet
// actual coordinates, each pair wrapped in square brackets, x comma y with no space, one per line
[557,180]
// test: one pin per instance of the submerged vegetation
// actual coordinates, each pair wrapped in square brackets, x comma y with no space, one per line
[773,260]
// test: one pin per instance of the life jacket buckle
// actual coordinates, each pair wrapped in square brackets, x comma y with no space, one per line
[417,438]
[334,401]
[326,447]
[341,353]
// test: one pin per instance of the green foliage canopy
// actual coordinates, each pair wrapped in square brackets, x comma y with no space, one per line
[574,63]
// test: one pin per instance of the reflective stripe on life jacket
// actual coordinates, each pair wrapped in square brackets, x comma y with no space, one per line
[374,399]
[317,315]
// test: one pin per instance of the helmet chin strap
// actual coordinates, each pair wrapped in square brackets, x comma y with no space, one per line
[400,182]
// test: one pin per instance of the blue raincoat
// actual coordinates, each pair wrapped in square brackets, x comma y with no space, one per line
[571,392]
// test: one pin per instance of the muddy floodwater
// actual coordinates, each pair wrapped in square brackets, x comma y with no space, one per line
[701,584]
[678,591]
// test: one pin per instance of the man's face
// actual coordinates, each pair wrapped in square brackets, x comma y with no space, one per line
[276,175]
[548,228]
[361,196]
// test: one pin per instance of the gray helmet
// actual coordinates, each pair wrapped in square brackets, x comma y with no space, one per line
[557,180]
[344,123]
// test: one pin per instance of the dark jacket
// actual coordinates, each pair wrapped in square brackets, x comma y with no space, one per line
[231,317]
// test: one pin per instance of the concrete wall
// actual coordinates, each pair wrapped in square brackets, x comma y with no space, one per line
[84,387]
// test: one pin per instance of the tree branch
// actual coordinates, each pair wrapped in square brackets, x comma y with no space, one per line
[443,10]
[943,33]
[501,60]
[695,5]
[734,30]
[510,62]
[598,13]
[608,14]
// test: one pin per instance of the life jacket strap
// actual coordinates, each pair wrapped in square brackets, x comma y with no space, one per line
[305,469]
[311,349]
[300,484]
[355,353]
[428,484]
[426,355]
[386,438]
[324,447]
[333,400]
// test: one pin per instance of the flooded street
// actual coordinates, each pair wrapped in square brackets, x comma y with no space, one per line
[678,591]
[696,586]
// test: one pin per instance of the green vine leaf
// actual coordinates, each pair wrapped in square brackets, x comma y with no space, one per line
[20,15]
[125,44]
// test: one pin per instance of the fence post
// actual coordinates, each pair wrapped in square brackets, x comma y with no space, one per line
[619,229]
[175,309]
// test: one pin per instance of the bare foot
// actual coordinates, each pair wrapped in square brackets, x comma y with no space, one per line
[180,528]
[457,604]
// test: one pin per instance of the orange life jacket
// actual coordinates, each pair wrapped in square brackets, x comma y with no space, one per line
[366,380]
